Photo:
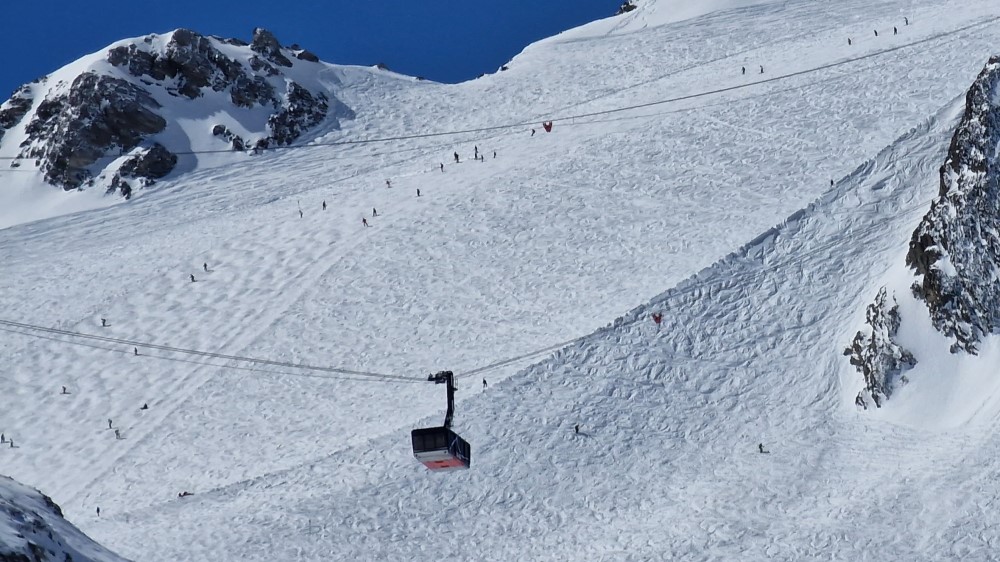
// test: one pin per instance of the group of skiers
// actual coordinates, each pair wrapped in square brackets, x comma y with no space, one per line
[850,41]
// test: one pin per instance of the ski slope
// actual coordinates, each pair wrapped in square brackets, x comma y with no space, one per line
[659,208]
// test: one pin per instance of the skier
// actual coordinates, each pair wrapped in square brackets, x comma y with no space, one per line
[475,152]
[657,317]
[894,30]
[300,213]
[104,322]
[205,266]
[532,132]
[364,222]
[442,166]
[762,69]
[388,184]
[324,205]
[118,434]
[494,154]
[831,183]
[374,212]
[576,428]
[456,158]
[418,192]
[484,384]
[876,33]
[192,277]
[744,69]
[760,447]
[64,390]
[135,350]
[98,511]
[109,423]
[2,438]
[144,406]
[906,20]
[848,41]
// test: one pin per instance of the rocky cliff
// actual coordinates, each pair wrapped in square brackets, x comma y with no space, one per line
[32,529]
[114,117]
[954,253]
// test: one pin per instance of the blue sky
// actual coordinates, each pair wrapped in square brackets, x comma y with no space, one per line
[443,41]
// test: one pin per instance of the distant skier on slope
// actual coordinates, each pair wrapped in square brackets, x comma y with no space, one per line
[64,390]
[442,166]
[374,212]
[109,423]
[192,277]
[762,69]
[118,434]
[760,447]
[484,384]
[364,222]
[744,69]
[324,205]
[144,406]
[657,317]
[475,152]
[418,192]
[456,157]
[205,266]
[104,322]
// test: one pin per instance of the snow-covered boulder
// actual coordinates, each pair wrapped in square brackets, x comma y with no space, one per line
[32,529]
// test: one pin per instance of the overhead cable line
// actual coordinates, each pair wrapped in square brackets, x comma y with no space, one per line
[147,345]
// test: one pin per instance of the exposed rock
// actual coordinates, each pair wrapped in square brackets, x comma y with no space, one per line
[154,162]
[33,529]
[71,132]
[306,55]
[265,43]
[626,7]
[954,251]
[876,355]
[14,109]
[224,132]
[956,247]
[99,114]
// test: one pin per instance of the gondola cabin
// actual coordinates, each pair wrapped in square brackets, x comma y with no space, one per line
[440,448]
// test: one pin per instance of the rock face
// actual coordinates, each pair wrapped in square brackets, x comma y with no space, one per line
[956,248]
[880,359]
[32,529]
[954,251]
[118,118]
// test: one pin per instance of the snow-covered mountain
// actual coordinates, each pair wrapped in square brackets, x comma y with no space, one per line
[122,114]
[757,211]
[32,529]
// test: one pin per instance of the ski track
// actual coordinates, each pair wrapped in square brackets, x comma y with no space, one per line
[552,239]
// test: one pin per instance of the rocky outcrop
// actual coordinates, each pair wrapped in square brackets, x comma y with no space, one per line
[956,248]
[301,110]
[953,252]
[876,355]
[14,109]
[99,114]
[32,529]
[626,7]
[110,119]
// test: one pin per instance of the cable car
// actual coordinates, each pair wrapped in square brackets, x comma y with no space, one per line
[440,448]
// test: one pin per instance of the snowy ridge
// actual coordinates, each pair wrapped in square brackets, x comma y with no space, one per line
[32,529]
[558,234]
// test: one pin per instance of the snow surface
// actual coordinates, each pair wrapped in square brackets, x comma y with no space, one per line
[552,239]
